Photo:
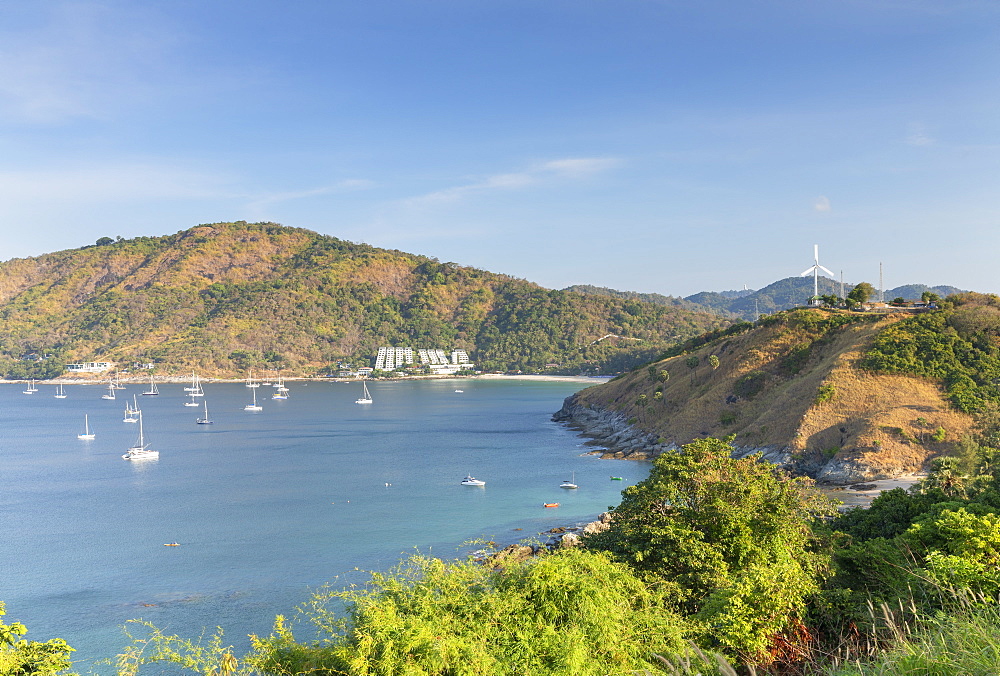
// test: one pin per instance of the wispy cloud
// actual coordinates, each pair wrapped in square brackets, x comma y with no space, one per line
[348,185]
[822,204]
[575,168]
[82,59]
[259,204]
[116,182]
[917,135]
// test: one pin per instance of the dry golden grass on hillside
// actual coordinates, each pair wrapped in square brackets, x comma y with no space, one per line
[885,421]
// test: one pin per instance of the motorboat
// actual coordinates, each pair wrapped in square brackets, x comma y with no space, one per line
[470,480]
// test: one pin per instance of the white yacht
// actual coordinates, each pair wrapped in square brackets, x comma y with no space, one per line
[152,391]
[30,389]
[206,420]
[131,411]
[60,393]
[141,450]
[254,406]
[195,390]
[365,398]
[569,484]
[470,480]
[111,392]
[87,434]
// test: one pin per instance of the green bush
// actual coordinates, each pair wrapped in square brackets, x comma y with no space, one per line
[825,393]
[573,613]
[750,384]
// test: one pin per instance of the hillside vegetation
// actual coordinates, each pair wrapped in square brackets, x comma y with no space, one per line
[227,296]
[801,381]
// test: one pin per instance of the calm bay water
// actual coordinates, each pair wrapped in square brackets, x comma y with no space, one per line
[267,506]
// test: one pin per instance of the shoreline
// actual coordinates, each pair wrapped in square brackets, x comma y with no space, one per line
[135,380]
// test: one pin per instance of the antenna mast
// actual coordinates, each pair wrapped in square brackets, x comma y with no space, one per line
[881,289]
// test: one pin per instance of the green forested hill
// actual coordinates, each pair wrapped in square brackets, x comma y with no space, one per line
[223,297]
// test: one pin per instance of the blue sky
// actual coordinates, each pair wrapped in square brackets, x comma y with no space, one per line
[652,145]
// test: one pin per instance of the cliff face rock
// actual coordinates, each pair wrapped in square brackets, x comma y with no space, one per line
[788,389]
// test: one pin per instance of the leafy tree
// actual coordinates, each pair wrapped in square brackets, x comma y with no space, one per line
[731,539]
[104,241]
[19,657]
[861,293]
[713,361]
[929,297]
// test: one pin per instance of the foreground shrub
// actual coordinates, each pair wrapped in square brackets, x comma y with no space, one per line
[573,613]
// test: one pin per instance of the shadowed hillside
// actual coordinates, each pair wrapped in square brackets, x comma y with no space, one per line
[224,297]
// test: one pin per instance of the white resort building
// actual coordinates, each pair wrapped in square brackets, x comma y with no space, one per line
[437,360]
[90,367]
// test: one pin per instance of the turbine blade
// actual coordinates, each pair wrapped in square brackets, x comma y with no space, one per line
[808,272]
[816,253]
[825,270]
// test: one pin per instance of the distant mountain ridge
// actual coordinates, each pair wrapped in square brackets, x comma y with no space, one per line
[783,294]
[224,297]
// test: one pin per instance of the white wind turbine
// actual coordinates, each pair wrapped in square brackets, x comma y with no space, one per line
[816,267]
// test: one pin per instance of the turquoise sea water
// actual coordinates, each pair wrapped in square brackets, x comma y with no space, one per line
[267,506]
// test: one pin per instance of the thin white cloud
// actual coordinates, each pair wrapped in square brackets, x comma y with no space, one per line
[917,135]
[347,185]
[259,204]
[822,203]
[111,183]
[568,168]
[81,59]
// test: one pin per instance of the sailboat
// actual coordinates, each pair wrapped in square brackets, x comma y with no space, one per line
[30,389]
[195,389]
[141,450]
[131,411]
[253,406]
[60,394]
[282,391]
[87,434]
[118,381]
[250,382]
[152,391]
[111,391]
[569,484]
[206,420]
[365,398]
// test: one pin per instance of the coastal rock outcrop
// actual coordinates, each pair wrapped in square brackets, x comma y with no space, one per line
[621,440]
[611,430]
